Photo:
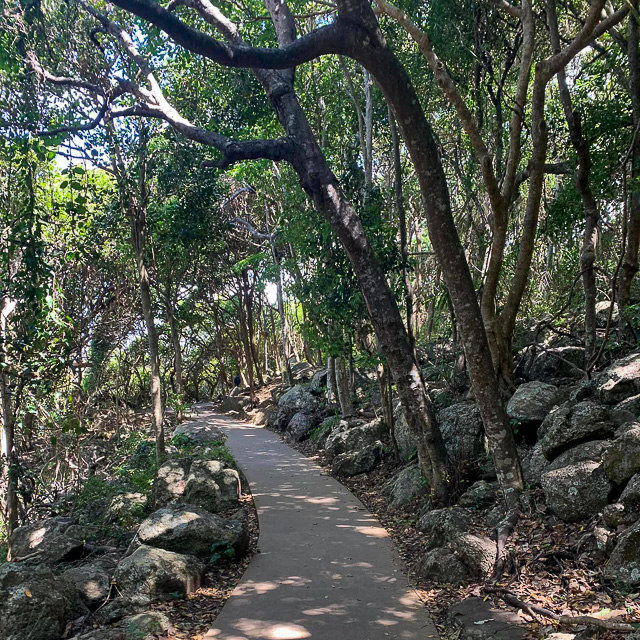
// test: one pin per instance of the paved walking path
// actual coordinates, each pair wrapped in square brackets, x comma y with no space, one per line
[326,569]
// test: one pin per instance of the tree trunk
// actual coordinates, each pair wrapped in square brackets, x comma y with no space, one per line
[630,262]
[332,384]
[342,387]
[177,350]
[9,456]
[589,204]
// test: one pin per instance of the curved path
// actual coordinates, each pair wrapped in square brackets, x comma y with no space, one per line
[326,569]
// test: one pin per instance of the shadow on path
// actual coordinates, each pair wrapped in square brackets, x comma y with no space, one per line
[326,570]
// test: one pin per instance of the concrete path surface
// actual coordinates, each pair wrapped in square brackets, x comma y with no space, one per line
[326,568]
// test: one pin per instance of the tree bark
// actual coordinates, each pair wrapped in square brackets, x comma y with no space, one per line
[177,348]
[589,204]
[342,387]
[630,261]
[8,453]
[332,384]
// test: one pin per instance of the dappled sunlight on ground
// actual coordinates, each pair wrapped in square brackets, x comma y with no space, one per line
[325,568]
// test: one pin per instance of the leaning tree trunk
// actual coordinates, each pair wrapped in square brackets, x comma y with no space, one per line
[177,351]
[342,386]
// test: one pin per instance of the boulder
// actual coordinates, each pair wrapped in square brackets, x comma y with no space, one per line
[149,624]
[622,456]
[442,525]
[533,463]
[212,485]
[478,553]
[152,574]
[279,419]
[298,398]
[92,581]
[602,313]
[232,404]
[318,382]
[624,563]
[48,541]
[186,527]
[300,426]
[360,461]
[479,495]
[619,381]
[476,619]
[35,604]
[630,497]
[170,481]
[559,365]
[617,514]
[262,416]
[531,402]
[575,484]
[406,442]
[440,565]
[632,405]
[301,371]
[462,431]
[200,431]
[404,487]
[345,438]
[576,423]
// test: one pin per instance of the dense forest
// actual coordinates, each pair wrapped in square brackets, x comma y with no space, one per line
[433,207]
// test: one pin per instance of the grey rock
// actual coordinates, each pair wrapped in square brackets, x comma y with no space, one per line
[622,456]
[301,425]
[152,574]
[533,463]
[48,541]
[404,487]
[301,371]
[479,621]
[200,431]
[149,624]
[478,553]
[262,416]
[618,514]
[92,581]
[602,313]
[103,634]
[462,432]
[440,565]
[170,481]
[345,438]
[406,442]
[624,563]
[619,381]
[575,484]
[298,398]
[36,604]
[186,527]
[479,495]
[212,485]
[630,497]
[232,404]
[632,405]
[576,423]
[318,381]
[531,402]
[360,461]
[279,419]
[442,525]
[558,365]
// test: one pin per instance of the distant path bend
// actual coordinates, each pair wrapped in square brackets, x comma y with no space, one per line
[326,570]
